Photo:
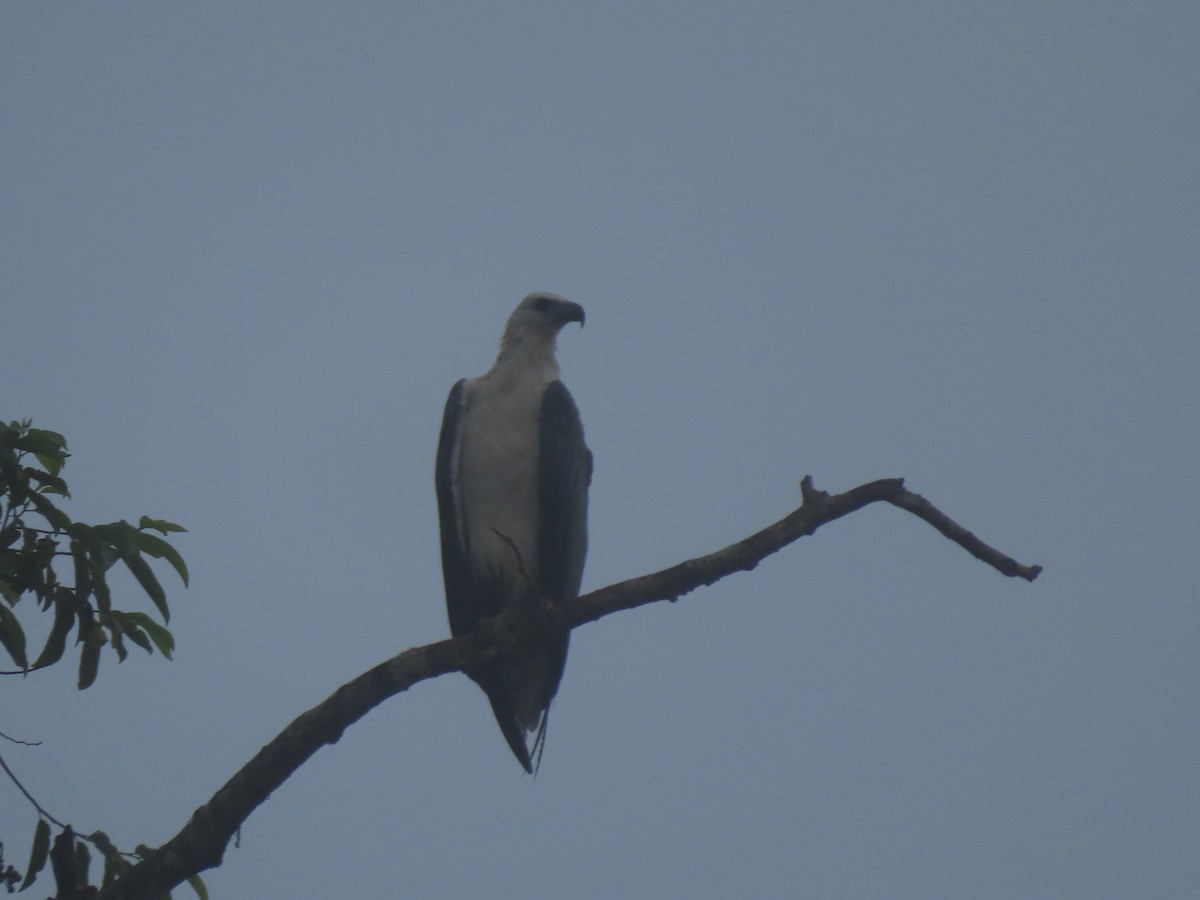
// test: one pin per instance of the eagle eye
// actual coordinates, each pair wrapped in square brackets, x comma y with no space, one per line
[542,304]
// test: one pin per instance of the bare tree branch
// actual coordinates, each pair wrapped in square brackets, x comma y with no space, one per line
[201,844]
[923,509]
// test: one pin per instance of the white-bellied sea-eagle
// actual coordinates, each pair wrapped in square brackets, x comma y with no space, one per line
[512,483]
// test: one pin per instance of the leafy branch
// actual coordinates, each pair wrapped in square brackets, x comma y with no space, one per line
[33,533]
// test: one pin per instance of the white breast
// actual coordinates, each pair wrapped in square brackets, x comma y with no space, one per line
[498,471]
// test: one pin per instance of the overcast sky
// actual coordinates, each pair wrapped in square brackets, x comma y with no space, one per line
[247,248]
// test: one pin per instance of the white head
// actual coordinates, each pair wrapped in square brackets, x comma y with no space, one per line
[536,322]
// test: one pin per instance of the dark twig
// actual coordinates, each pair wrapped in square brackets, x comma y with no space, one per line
[19,741]
[25,671]
[28,796]
[201,843]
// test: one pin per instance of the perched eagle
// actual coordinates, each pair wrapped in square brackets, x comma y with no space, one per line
[512,484]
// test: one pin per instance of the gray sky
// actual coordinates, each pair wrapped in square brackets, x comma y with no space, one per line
[247,248]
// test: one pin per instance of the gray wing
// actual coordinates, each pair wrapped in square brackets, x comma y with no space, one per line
[461,603]
[564,474]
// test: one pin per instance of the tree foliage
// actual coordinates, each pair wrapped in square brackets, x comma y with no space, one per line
[39,543]
[59,567]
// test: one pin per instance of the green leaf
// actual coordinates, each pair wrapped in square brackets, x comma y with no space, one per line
[12,637]
[125,626]
[162,638]
[160,549]
[100,588]
[138,636]
[49,447]
[197,885]
[58,519]
[117,640]
[84,533]
[144,574]
[89,659]
[115,865]
[121,536]
[15,484]
[83,575]
[160,525]
[38,854]
[89,550]
[51,484]
[82,862]
[64,620]
[103,843]
[8,574]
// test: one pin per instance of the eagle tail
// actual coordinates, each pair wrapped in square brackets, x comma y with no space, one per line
[510,727]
